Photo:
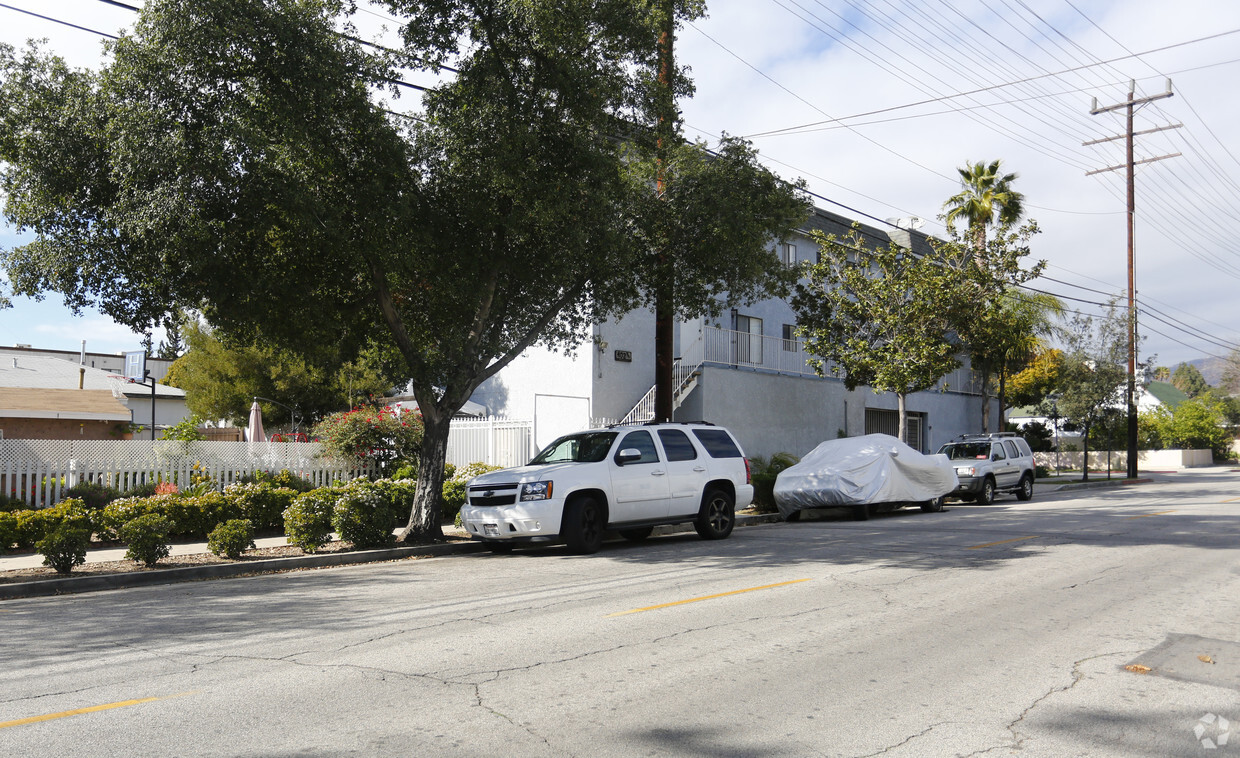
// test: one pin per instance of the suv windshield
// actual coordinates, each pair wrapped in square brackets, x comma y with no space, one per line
[959,451]
[587,447]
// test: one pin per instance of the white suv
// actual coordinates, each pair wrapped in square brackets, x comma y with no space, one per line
[990,463]
[630,478]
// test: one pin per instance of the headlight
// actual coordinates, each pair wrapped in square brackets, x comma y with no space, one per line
[535,491]
[965,471]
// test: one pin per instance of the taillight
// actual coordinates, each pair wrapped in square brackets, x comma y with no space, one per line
[748,473]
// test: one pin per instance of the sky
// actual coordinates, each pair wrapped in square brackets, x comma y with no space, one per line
[876,103]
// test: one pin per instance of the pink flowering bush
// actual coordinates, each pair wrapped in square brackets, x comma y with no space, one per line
[369,434]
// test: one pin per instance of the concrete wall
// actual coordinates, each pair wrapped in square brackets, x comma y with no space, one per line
[770,413]
[1152,460]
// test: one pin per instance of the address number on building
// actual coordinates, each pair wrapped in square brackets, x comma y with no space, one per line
[624,356]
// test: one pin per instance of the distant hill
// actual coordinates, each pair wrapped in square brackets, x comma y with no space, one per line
[1210,368]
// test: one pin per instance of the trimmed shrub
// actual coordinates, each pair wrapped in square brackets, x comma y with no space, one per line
[11,504]
[8,531]
[285,478]
[33,526]
[142,490]
[93,494]
[262,504]
[64,548]
[231,538]
[308,521]
[363,515]
[147,537]
[406,470]
[764,474]
[454,487]
[371,435]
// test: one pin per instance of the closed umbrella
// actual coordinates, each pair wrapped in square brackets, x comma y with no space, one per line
[254,430]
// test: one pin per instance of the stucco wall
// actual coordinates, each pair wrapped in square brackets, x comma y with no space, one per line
[770,413]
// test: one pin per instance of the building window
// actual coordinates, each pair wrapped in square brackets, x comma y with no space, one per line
[791,344]
[788,253]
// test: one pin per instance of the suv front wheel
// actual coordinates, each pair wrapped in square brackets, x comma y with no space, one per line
[987,495]
[1025,490]
[583,526]
[717,517]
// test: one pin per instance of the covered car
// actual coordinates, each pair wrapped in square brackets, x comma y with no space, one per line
[863,472]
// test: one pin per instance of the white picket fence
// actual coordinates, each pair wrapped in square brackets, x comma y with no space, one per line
[39,471]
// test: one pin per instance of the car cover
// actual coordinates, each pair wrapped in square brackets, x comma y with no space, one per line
[876,468]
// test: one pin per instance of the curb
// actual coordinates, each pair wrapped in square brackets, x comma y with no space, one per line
[73,585]
[1090,485]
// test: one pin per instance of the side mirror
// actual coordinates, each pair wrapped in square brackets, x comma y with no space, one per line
[628,455]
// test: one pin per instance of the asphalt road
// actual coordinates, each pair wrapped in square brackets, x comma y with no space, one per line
[981,630]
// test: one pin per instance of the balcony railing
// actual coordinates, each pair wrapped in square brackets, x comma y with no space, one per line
[741,350]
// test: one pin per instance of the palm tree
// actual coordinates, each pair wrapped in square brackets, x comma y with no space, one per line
[986,197]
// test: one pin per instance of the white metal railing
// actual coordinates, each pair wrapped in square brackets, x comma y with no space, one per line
[730,348]
[497,441]
[684,371]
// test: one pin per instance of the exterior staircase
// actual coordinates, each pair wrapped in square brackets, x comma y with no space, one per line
[684,379]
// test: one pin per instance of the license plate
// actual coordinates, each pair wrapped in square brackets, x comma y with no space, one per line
[491,530]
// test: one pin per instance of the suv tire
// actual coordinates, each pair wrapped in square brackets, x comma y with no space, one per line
[717,516]
[583,525]
[1024,491]
[933,506]
[987,495]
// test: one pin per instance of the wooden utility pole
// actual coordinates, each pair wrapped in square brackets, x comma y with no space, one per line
[1131,104]
[664,308]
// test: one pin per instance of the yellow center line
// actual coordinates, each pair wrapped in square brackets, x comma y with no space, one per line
[705,597]
[91,709]
[1231,500]
[1147,515]
[1001,542]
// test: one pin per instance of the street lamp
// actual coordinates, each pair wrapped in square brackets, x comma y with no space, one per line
[1055,421]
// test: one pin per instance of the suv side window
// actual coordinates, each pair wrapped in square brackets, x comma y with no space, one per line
[718,443]
[996,452]
[642,441]
[1012,450]
[676,445]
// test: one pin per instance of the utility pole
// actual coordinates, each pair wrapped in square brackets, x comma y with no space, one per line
[1131,105]
[665,132]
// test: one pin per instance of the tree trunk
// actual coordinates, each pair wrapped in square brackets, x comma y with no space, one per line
[1085,454]
[664,312]
[985,396]
[903,418]
[424,518]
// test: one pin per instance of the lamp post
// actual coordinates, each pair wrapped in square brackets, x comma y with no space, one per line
[1055,421]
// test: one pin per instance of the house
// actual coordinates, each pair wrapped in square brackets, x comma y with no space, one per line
[43,397]
[1150,395]
[746,371]
[111,362]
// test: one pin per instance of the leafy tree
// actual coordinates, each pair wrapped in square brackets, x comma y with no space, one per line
[1020,325]
[883,317]
[1188,379]
[373,435]
[233,157]
[172,346]
[221,380]
[1094,372]
[1038,379]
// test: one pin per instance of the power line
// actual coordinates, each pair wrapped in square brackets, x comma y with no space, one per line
[58,21]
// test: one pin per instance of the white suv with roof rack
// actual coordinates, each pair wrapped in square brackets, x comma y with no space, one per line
[990,463]
[627,478]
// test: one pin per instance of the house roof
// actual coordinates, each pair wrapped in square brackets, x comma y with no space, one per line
[1166,393]
[93,405]
[41,372]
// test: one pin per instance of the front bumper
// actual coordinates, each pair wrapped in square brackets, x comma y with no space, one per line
[969,485]
[535,520]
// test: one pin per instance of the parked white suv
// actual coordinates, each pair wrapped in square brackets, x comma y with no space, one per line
[990,463]
[628,478]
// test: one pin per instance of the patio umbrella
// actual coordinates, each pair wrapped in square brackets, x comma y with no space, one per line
[254,430]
